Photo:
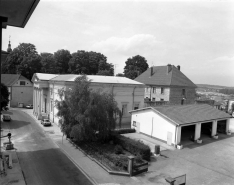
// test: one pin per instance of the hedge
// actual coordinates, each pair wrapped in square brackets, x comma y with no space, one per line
[137,148]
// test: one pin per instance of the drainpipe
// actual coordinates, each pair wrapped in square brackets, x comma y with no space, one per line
[53,101]
[133,93]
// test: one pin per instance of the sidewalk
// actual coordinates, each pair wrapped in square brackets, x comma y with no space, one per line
[13,175]
[92,170]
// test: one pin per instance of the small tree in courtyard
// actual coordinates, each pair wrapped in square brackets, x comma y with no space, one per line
[87,115]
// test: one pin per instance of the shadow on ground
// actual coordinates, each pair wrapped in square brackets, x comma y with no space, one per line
[14,124]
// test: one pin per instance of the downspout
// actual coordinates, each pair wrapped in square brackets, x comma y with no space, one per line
[176,135]
[53,101]
[133,93]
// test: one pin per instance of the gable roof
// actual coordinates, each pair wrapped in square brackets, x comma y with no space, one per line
[9,79]
[162,77]
[186,114]
[97,79]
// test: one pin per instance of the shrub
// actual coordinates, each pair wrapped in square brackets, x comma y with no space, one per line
[133,146]
[124,131]
[118,149]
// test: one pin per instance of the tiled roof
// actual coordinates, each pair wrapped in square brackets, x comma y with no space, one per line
[98,79]
[186,114]
[161,77]
[9,79]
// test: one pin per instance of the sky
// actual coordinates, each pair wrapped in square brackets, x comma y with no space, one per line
[197,35]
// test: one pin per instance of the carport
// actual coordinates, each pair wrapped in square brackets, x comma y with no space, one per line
[180,124]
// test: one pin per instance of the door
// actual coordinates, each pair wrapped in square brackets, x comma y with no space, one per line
[138,127]
[169,138]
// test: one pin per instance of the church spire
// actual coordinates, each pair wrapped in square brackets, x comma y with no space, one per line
[9,46]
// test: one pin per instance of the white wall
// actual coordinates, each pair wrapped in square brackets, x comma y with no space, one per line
[160,127]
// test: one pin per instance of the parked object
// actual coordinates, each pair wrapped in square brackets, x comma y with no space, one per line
[29,106]
[6,118]
[46,122]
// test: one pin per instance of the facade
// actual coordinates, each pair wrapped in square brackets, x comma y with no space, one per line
[175,124]
[167,84]
[129,94]
[20,88]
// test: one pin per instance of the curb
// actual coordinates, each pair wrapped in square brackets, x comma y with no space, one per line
[66,153]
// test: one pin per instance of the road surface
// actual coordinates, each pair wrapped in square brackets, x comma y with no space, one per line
[42,162]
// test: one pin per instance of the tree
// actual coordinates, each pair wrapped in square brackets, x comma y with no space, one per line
[84,62]
[135,66]
[87,115]
[17,56]
[48,63]
[5,96]
[62,58]
[29,65]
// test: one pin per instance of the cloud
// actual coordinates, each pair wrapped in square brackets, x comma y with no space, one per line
[136,44]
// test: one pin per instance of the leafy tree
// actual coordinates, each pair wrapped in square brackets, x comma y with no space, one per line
[87,115]
[135,66]
[5,96]
[62,58]
[29,65]
[84,62]
[48,63]
[105,68]
[17,56]
[104,73]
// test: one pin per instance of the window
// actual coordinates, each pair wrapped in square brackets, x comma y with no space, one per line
[51,91]
[22,82]
[136,106]
[154,90]
[161,99]
[124,109]
[162,90]
[183,92]
[153,99]
[134,123]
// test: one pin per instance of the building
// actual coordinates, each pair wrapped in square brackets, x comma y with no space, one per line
[167,85]
[20,89]
[128,93]
[176,125]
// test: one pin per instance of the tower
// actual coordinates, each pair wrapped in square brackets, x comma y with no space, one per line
[9,46]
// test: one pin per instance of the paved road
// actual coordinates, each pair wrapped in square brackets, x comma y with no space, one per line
[41,160]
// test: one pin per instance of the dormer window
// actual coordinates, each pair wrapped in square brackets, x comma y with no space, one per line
[22,82]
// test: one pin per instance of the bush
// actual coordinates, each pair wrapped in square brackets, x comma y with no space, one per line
[124,131]
[133,146]
[118,149]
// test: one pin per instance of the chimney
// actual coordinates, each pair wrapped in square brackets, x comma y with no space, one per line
[169,68]
[178,67]
[151,71]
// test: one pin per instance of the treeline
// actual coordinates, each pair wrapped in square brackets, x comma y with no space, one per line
[227,91]
[25,60]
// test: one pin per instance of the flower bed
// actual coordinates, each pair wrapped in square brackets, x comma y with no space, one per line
[109,156]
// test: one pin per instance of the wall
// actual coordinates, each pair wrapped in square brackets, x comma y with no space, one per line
[153,125]
[176,95]
[21,93]
[157,95]
[123,95]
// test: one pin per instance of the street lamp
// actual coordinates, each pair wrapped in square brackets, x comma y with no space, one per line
[14,13]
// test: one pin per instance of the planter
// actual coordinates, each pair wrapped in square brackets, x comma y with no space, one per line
[179,147]
[199,141]
[215,137]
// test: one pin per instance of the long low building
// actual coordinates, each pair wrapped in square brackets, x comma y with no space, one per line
[178,123]
[128,93]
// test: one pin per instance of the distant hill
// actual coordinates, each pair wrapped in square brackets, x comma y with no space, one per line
[213,86]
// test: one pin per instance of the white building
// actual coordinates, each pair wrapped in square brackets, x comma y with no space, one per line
[175,124]
[128,93]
